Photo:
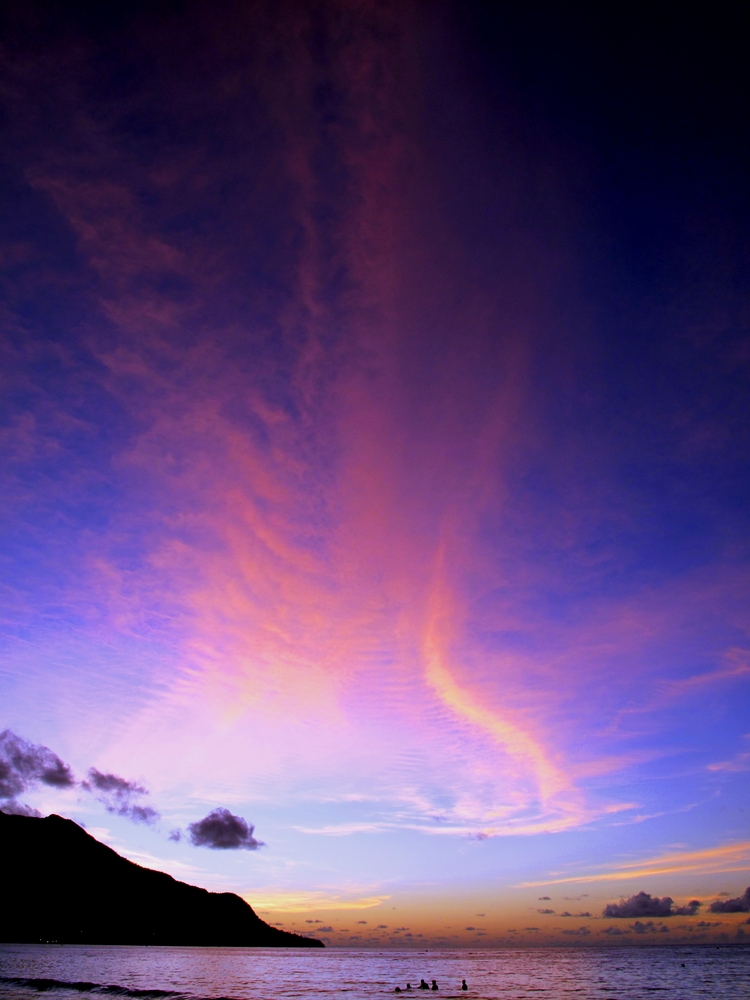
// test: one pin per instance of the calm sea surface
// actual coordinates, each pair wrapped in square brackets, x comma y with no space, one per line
[275,974]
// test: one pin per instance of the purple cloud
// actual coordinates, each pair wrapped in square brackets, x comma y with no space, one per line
[649,928]
[220,830]
[741,904]
[116,795]
[23,766]
[643,904]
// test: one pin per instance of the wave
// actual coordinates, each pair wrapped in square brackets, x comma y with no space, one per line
[42,985]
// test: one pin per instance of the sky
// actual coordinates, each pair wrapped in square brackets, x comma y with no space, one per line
[375,533]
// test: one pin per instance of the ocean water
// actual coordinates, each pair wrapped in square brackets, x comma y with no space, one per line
[677,973]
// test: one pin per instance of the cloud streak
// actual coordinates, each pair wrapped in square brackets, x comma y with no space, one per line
[117,794]
[727,858]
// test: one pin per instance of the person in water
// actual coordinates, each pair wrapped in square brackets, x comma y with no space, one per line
[463,985]
[408,986]
[434,985]
[423,985]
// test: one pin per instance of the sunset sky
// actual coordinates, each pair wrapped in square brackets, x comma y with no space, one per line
[375,395]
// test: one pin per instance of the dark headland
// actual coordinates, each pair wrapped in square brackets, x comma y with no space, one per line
[60,884]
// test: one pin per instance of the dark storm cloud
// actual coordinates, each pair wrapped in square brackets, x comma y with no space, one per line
[221,830]
[741,904]
[643,904]
[116,795]
[23,766]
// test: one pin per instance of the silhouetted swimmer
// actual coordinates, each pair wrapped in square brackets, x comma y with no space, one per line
[423,985]
[463,985]
[397,990]
[408,986]
[434,985]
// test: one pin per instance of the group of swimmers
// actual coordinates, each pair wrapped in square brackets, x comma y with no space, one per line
[423,986]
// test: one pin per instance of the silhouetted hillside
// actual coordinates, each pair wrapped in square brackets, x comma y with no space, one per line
[59,884]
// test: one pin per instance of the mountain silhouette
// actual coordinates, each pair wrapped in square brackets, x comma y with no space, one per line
[60,884]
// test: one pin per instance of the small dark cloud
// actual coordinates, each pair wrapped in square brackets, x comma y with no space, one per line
[543,898]
[112,784]
[361,921]
[140,814]
[741,904]
[324,930]
[469,928]
[566,914]
[382,927]
[175,835]
[531,928]
[688,911]
[116,795]
[13,808]
[220,830]
[613,931]
[545,912]
[648,928]
[25,765]
[581,932]
[643,904]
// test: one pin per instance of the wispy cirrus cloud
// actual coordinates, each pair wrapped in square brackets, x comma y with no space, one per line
[328,493]
[713,860]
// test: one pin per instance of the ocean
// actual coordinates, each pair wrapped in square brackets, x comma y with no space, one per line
[676,973]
